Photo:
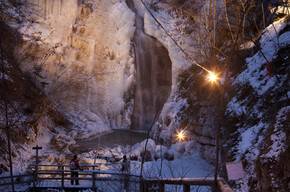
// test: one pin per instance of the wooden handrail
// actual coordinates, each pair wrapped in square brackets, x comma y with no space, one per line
[210,181]
[183,181]
[91,175]
[15,176]
[86,178]
[15,183]
[87,171]
[95,165]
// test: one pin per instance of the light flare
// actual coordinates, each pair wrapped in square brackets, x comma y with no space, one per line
[212,77]
[181,135]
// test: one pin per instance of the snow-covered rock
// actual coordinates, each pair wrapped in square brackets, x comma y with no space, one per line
[117,154]
[138,150]
[62,141]
[257,112]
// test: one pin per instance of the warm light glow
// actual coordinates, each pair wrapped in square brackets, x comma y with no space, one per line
[180,136]
[212,77]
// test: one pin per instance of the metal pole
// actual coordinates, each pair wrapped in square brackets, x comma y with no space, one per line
[217,134]
[6,116]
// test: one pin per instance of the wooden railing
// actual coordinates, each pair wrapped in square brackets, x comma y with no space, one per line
[18,179]
[90,173]
[60,174]
[186,183]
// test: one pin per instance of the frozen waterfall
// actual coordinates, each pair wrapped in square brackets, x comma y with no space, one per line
[153,75]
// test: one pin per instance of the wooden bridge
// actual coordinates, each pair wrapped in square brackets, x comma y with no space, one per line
[46,177]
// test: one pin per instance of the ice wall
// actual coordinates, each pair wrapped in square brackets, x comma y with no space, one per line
[83,51]
[54,7]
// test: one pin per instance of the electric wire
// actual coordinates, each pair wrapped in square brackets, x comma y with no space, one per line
[186,54]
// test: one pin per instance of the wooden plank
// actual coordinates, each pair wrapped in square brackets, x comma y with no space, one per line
[36,147]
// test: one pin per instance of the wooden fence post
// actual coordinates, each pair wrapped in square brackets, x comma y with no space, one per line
[35,173]
[161,187]
[34,180]
[94,181]
[141,185]
[62,177]
[186,188]
[146,186]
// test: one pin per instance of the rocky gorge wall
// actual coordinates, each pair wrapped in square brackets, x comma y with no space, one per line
[80,55]
[83,56]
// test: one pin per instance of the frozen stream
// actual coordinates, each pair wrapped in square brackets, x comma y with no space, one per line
[111,139]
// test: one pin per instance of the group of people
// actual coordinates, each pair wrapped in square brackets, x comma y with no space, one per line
[75,167]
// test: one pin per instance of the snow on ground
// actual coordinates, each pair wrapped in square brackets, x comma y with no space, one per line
[188,166]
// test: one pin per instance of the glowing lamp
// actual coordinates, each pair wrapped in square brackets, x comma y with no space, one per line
[212,77]
[180,136]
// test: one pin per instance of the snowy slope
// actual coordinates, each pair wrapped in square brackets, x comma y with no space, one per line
[257,109]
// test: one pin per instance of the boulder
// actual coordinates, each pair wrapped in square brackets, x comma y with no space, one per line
[138,150]
[62,141]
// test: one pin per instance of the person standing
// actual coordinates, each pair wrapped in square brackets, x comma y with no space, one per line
[125,164]
[74,166]
[126,171]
